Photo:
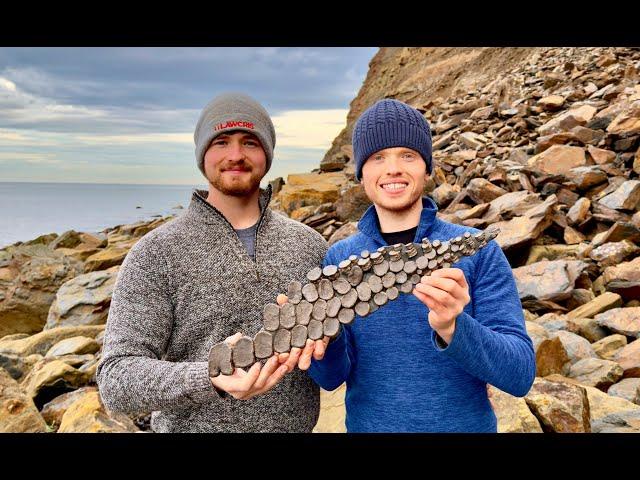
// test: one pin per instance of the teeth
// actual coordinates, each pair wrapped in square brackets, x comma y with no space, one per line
[394,186]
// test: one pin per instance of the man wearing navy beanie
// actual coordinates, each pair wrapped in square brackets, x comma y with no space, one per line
[422,363]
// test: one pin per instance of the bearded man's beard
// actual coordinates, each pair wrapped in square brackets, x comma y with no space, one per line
[237,186]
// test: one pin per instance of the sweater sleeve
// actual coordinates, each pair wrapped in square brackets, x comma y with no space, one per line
[493,345]
[131,376]
[333,370]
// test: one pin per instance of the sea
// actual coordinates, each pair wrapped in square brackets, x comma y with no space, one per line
[28,210]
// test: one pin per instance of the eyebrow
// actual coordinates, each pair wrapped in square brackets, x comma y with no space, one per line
[245,135]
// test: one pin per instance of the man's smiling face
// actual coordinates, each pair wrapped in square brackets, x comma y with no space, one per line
[394,178]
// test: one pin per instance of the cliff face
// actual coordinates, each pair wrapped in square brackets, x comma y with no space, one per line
[425,76]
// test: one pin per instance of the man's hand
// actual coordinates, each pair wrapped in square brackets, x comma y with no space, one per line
[259,379]
[302,357]
[446,293]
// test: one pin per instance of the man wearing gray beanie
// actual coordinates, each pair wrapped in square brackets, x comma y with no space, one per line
[206,276]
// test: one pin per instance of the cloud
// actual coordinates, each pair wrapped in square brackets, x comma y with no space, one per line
[313,129]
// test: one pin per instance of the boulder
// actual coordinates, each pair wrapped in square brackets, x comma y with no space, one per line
[569,119]
[627,388]
[626,196]
[310,189]
[444,194]
[551,103]
[618,422]
[41,342]
[352,204]
[53,411]
[537,333]
[68,239]
[587,328]
[600,155]
[579,211]
[587,177]
[602,404]
[28,285]
[613,253]
[627,122]
[552,357]
[552,322]
[483,191]
[343,232]
[577,348]
[560,407]
[83,300]
[88,415]
[625,321]
[512,413]
[607,347]
[629,359]
[50,378]
[105,259]
[548,280]
[596,372]
[18,414]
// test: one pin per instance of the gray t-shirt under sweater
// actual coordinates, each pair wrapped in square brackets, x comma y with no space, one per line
[248,238]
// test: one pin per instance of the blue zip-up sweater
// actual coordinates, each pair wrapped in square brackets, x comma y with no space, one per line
[398,378]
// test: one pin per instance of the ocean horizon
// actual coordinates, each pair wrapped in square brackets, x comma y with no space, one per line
[31,209]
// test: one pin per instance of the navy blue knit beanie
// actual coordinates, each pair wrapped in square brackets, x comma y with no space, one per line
[390,123]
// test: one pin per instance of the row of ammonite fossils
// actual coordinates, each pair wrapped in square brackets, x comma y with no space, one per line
[336,294]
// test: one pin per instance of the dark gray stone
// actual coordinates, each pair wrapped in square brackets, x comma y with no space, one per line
[325,289]
[299,336]
[282,340]
[319,310]
[263,344]
[333,306]
[287,315]
[315,330]
[220,360]
[243,353]
[271,317]
[350,298]
[310,292]
[303,312]
[331,327]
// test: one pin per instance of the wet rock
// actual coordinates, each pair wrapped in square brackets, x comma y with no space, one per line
[626,197]
[512,413]
[18,414]
[629,359]
[88,415]
[628,388]
[560,407]
[625,321]
[83,300]
[596,372]
[600,304]
[608,347]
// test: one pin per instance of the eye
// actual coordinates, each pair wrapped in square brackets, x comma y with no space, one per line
[377,157]
[251,143]
[220,141]
[409,155]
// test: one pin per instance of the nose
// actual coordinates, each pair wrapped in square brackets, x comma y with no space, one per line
[392,166]
[235,150]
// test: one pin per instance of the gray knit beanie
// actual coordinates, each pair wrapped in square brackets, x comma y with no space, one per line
[233,111]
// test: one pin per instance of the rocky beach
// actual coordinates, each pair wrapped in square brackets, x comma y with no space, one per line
[543,143]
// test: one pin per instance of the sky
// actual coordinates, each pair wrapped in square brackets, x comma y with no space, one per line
[127,115]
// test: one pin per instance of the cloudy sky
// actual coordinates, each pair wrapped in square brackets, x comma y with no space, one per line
[127,115]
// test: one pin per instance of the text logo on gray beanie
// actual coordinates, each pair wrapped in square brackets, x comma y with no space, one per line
[387,124]
[233,111]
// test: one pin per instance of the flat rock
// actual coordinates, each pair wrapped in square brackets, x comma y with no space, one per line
[587,328]
[587,177]
[596,372]
[569,119]
[627,122]
[48,379]
[600,155]
[613,253]
[626,197]
[18,414]
[577,348]
[73,346]
[444,194]
[483,191]
[105,259]
[307,189]
[552,322]
[627,421]
[558,159]
[602,404]
[551,103]
[600,304]
[538,253]
[512,413]
[627,271]
[520,230]
[560,407]
[625,321]
[40,343]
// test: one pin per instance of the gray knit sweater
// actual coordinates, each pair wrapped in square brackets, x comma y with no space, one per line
[185,286]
